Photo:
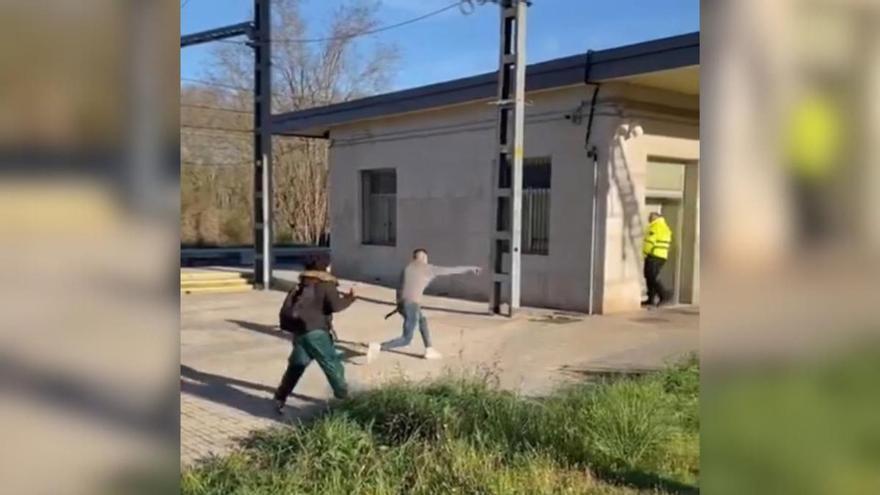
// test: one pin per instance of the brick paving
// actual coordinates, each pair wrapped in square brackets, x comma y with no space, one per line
[232,355]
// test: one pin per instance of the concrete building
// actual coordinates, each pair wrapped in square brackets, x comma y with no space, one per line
[413,169]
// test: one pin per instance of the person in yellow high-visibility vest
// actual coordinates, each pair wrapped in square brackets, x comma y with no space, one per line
[655,247]
[814,147]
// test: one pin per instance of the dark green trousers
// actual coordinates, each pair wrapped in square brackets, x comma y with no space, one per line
[315,345]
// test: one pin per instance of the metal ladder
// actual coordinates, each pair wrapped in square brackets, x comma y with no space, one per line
[507,174]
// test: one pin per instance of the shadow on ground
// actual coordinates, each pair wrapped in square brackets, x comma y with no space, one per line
[76,396]
[650,481]
[404,353]
[601,373]
[427,308]
[223,390]
[270,330]
[349,350]
[556,318]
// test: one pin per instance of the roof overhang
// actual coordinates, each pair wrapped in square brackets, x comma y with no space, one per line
[628,63]
[685,80]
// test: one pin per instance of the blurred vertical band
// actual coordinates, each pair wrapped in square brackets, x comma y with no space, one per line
[89,160]
[789,138]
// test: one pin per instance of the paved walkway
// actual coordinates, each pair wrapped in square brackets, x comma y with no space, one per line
[233,355]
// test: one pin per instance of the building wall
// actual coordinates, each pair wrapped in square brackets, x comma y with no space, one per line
[624,156]
[444,164]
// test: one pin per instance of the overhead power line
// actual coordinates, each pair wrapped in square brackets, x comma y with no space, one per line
[218,129]
[219,137]
[220,109]
[216,84]
[460,4]
[373,31]
[466,7]
[216,164]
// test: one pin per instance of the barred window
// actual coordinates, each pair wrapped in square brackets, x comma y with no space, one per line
[536,206]
[379,208]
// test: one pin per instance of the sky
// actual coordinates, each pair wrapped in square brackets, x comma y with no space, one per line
[453,45]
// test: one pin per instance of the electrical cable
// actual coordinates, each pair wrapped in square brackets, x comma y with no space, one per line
[219,109]
[368,32]
[211,83]
[219,129]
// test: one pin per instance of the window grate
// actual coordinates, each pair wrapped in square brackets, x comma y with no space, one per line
[379,207]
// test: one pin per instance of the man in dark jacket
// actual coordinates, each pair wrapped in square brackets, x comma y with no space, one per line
[307,312]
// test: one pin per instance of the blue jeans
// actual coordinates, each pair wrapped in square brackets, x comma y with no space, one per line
[412,314]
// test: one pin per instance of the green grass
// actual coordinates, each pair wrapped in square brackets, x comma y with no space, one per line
[461,434]
[808,426]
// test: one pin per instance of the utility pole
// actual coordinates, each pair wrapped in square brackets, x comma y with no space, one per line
[506,239]
[263,197]
[259,36]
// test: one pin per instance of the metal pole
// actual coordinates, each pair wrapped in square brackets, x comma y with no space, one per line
[242,28]
[261,37]
[518,131]
[507,174]
[259,33]
[595,202]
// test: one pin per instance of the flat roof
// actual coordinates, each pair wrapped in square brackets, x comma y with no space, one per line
[601,65]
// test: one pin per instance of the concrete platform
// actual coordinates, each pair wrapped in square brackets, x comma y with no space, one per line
[233,355]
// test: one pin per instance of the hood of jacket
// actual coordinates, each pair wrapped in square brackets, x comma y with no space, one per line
[317,276]
[656,221]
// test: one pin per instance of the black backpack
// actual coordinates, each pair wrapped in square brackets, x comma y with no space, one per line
[295,303]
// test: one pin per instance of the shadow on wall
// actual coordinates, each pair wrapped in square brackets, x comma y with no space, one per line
[633,226]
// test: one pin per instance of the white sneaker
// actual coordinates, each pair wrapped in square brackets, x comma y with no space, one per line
[373,350]
[431,353]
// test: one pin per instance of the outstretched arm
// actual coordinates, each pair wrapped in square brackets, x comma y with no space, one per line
[338,302]
[440,271]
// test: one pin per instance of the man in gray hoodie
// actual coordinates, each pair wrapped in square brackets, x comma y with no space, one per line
[417,275]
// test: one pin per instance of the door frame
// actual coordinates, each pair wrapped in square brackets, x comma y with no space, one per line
[663,197]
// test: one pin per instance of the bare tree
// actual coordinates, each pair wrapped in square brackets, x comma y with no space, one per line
[215,180]
[341,65]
